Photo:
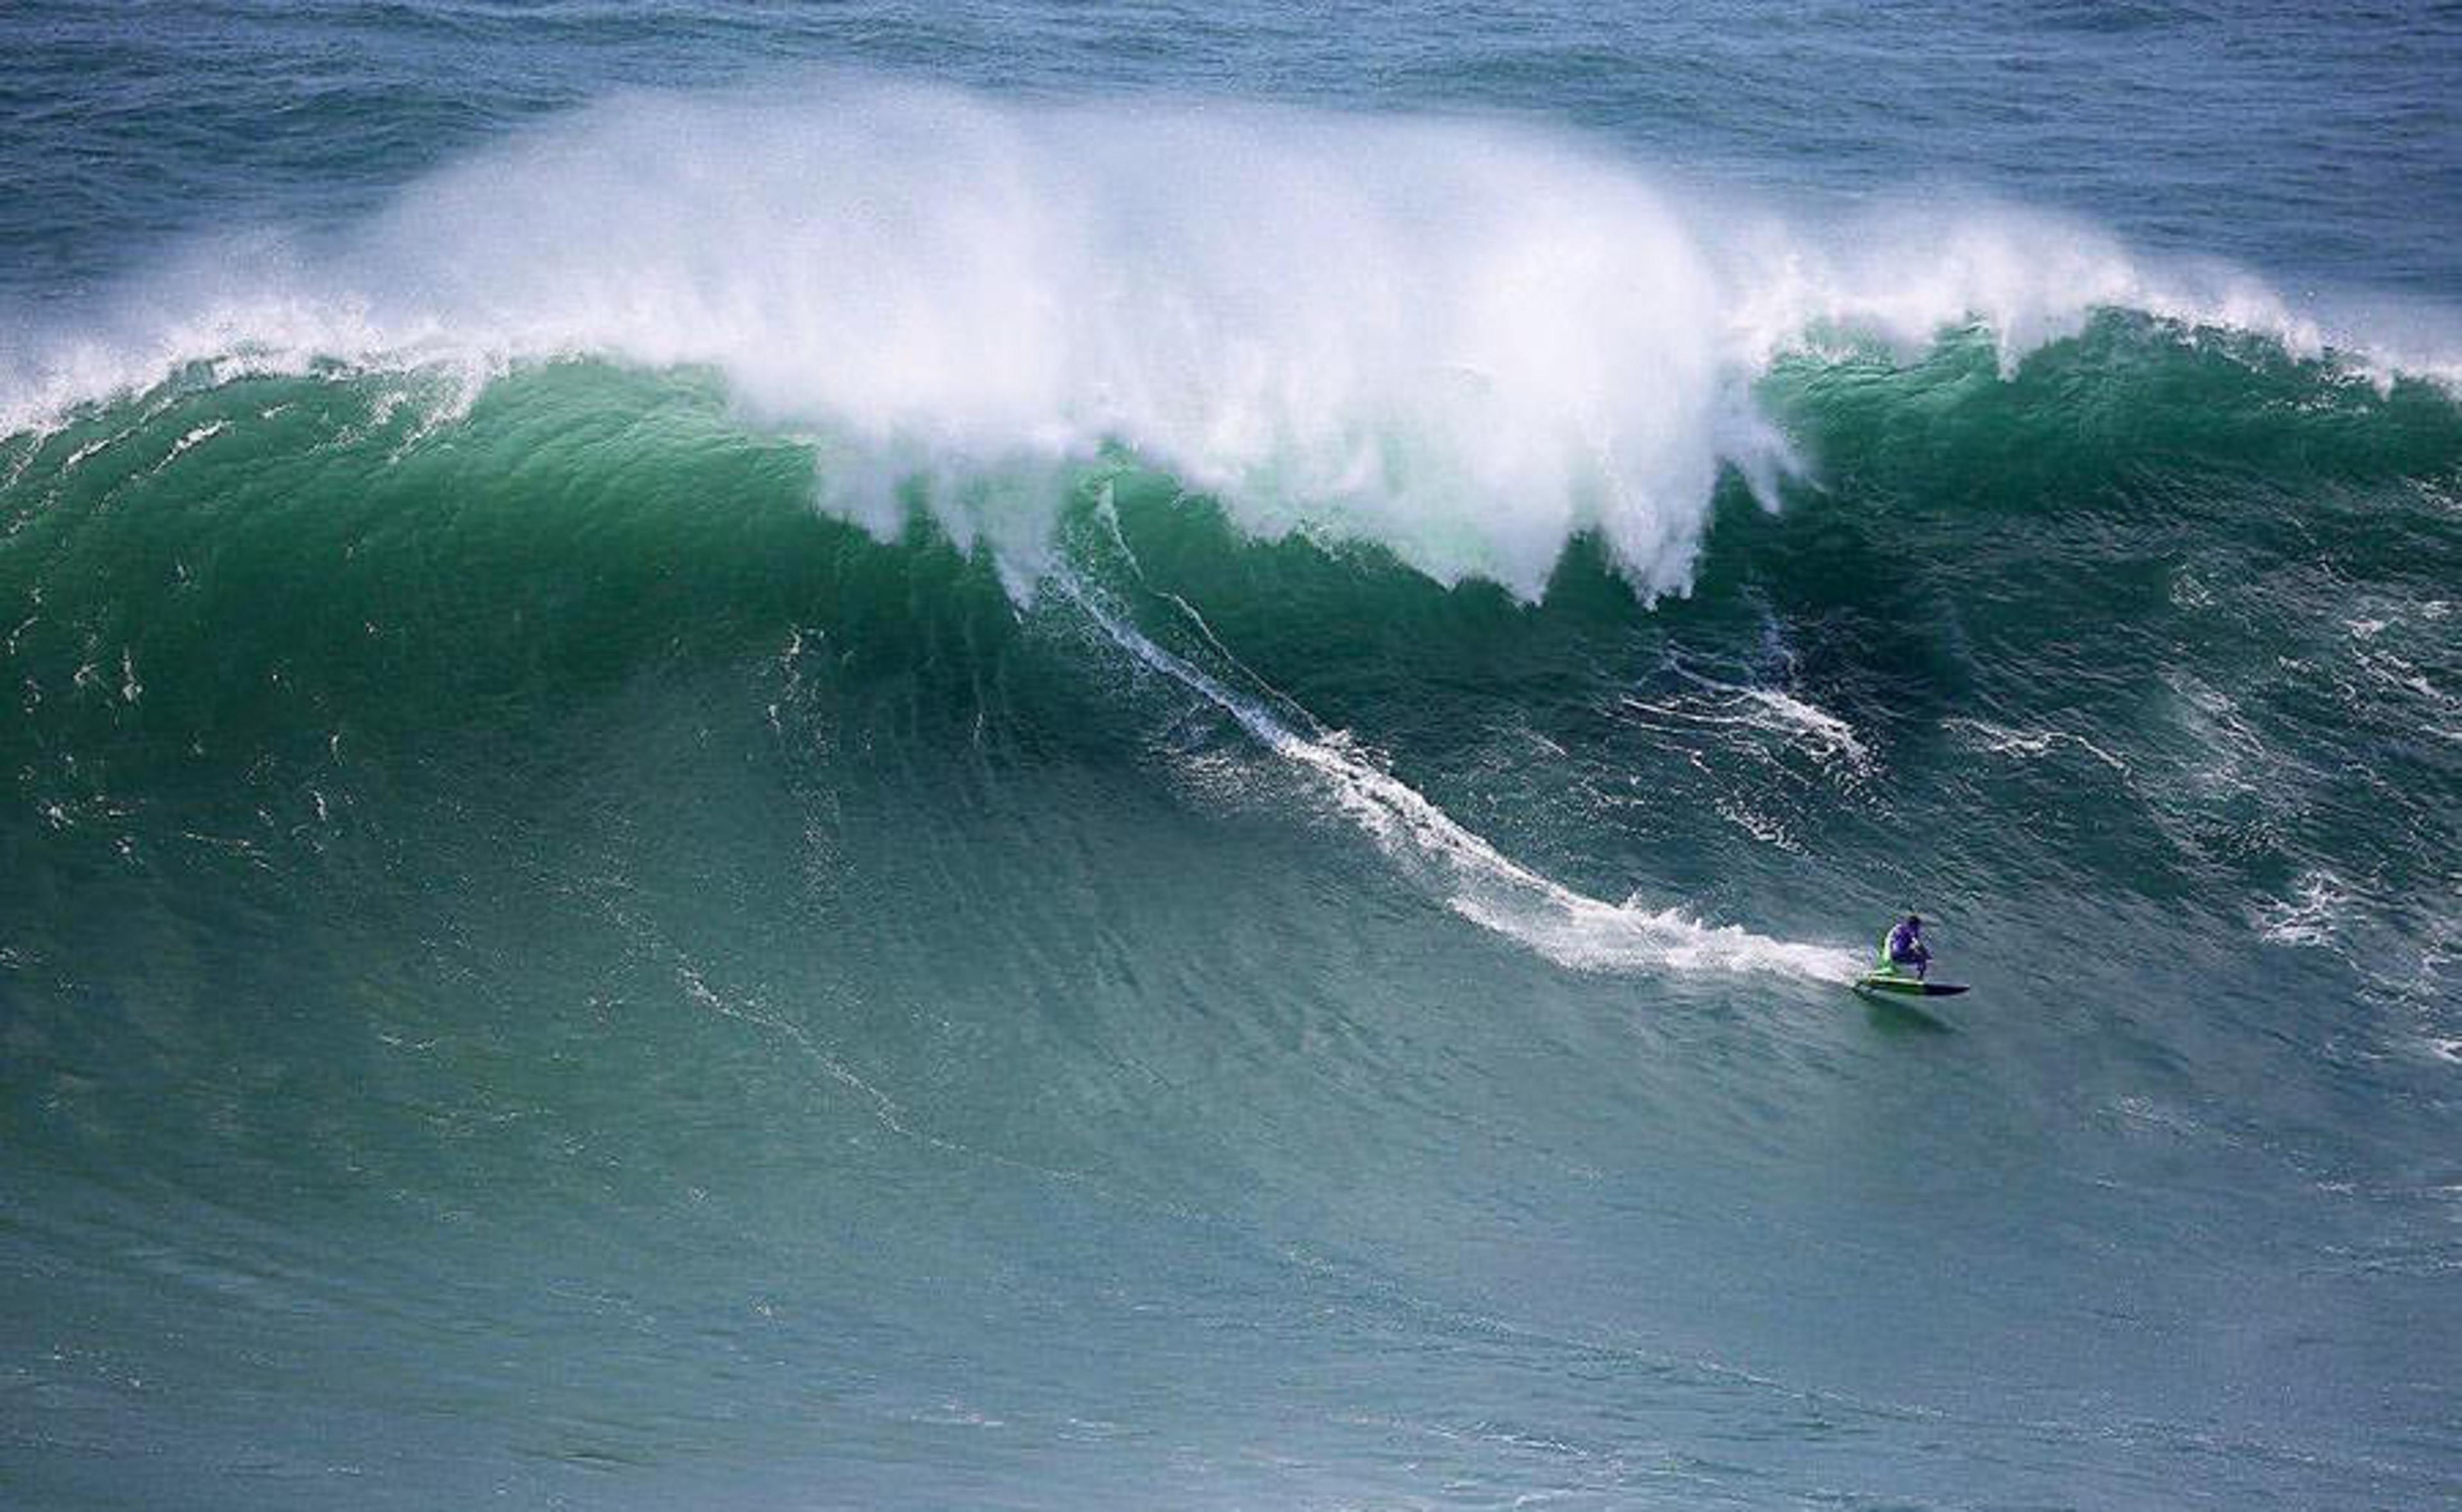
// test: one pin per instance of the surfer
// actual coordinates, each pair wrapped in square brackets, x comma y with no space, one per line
[1905,949]
[1904,968]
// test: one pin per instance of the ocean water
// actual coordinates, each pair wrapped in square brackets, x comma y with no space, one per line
[1043,757]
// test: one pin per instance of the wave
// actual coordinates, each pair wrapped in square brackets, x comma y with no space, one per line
[1468,341]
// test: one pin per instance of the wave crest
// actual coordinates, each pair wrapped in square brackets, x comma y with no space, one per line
[1466,341]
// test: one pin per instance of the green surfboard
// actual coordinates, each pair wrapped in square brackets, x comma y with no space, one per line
[1907,987]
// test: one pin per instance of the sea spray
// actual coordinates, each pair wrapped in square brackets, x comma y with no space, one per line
[1467,340]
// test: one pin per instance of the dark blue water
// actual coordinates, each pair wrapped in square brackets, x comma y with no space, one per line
[1052,758]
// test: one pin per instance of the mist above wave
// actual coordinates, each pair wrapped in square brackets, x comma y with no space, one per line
[1467,340]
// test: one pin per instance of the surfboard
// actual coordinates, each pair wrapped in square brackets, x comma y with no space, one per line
[1907,987]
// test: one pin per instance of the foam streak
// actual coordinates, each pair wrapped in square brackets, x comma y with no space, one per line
[1483,884]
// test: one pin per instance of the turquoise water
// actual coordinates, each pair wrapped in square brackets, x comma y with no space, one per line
[1035,758]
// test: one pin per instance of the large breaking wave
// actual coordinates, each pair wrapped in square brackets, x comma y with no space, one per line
[1466,341]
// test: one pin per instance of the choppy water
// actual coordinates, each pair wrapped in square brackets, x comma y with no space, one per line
[1051,759]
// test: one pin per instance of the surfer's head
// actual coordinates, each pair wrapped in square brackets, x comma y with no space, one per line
[1914,921]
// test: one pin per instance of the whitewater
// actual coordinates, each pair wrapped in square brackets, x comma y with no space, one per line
[1465,339]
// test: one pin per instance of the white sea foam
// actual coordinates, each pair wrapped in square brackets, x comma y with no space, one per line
[2311,917]
[194,437]
[1794,722]
[1465,339]
[2027,744]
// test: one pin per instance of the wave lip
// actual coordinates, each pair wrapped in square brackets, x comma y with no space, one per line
[1466,341]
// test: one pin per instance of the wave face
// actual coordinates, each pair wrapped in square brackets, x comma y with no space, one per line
[844,793]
